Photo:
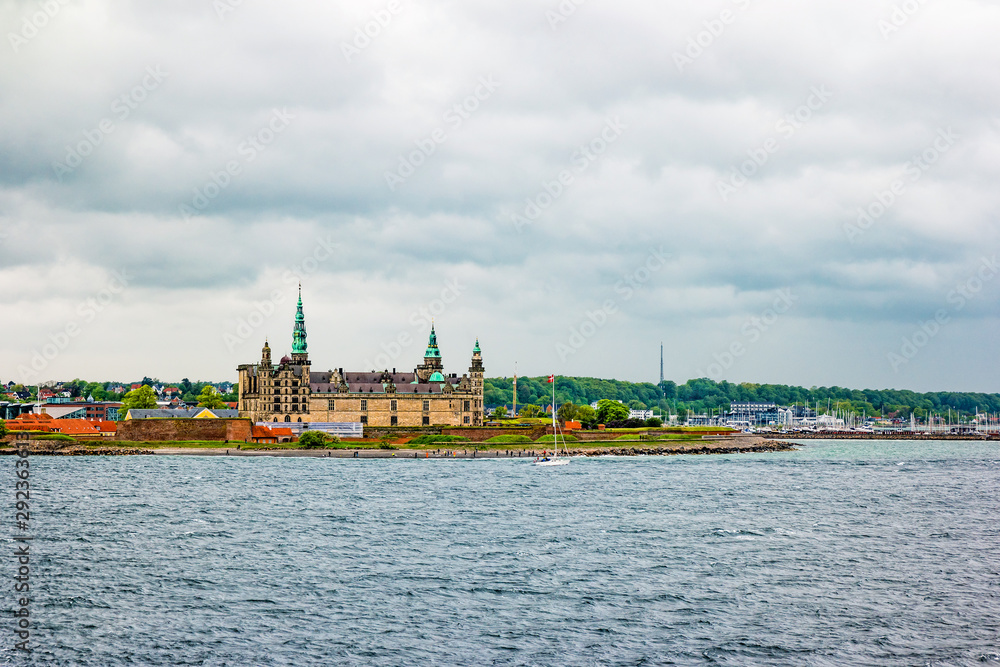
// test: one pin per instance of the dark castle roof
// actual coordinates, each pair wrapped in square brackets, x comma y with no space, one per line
[371,383]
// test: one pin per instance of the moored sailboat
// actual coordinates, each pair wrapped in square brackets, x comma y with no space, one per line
[555,459]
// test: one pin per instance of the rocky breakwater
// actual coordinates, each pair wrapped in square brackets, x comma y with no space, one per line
[733,446]
[47,449]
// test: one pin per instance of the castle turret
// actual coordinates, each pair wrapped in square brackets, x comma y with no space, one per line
[476,373]
[299,347]
[265,356]
[432,360]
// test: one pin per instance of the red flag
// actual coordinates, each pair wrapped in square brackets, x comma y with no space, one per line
[552,378]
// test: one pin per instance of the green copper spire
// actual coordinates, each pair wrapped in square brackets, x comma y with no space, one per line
[299,333]
[476,348]
[432,346]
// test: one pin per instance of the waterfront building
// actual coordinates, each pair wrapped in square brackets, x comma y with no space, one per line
[291,392]
[754,414]
[91,411]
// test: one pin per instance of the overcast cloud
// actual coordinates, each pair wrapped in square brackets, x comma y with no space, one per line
[571,182]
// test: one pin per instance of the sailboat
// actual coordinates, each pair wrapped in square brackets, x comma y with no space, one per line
[555,459]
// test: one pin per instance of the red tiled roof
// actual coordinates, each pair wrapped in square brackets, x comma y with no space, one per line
[75,427]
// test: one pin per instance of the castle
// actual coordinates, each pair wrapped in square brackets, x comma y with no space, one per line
[290,391]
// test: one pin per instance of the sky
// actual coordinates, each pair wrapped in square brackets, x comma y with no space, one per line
[776,191]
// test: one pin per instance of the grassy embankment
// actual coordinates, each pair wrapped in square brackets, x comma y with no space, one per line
[673,435]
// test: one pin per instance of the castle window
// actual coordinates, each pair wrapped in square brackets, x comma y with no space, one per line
[426,421]
[393,405]
[466,419]
[332,405]
[364,419]
[364,404]
[466,407]
[394,421]
[288,418]
[427,405]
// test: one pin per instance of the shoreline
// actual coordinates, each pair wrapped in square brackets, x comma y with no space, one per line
[841,435]
[747,445]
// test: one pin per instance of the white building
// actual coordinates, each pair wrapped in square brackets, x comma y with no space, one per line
[632,414]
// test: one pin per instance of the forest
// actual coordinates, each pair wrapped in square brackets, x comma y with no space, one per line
[704,396]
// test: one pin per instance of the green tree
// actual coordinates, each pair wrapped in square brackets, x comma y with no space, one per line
[567,412]
[499,412]
[143,398]
[610,411]
[3,428]
[311,439]
[531,411]
[669,389]
[210,398]
[587,416]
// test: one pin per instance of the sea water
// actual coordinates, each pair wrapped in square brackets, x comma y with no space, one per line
[842,553]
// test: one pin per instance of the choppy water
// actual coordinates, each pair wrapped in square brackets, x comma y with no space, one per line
[844,553]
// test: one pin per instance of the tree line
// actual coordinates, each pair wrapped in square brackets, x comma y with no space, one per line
[101,391]
[703,395]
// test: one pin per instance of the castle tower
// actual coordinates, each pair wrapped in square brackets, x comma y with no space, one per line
[265,356]
[476,372]
[265,373]
[432,360]
[299,346]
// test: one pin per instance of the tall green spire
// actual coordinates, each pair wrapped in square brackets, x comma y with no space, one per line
[476,348]
[432,346]
[299,333]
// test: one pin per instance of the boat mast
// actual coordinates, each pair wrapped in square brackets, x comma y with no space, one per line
[555,434]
